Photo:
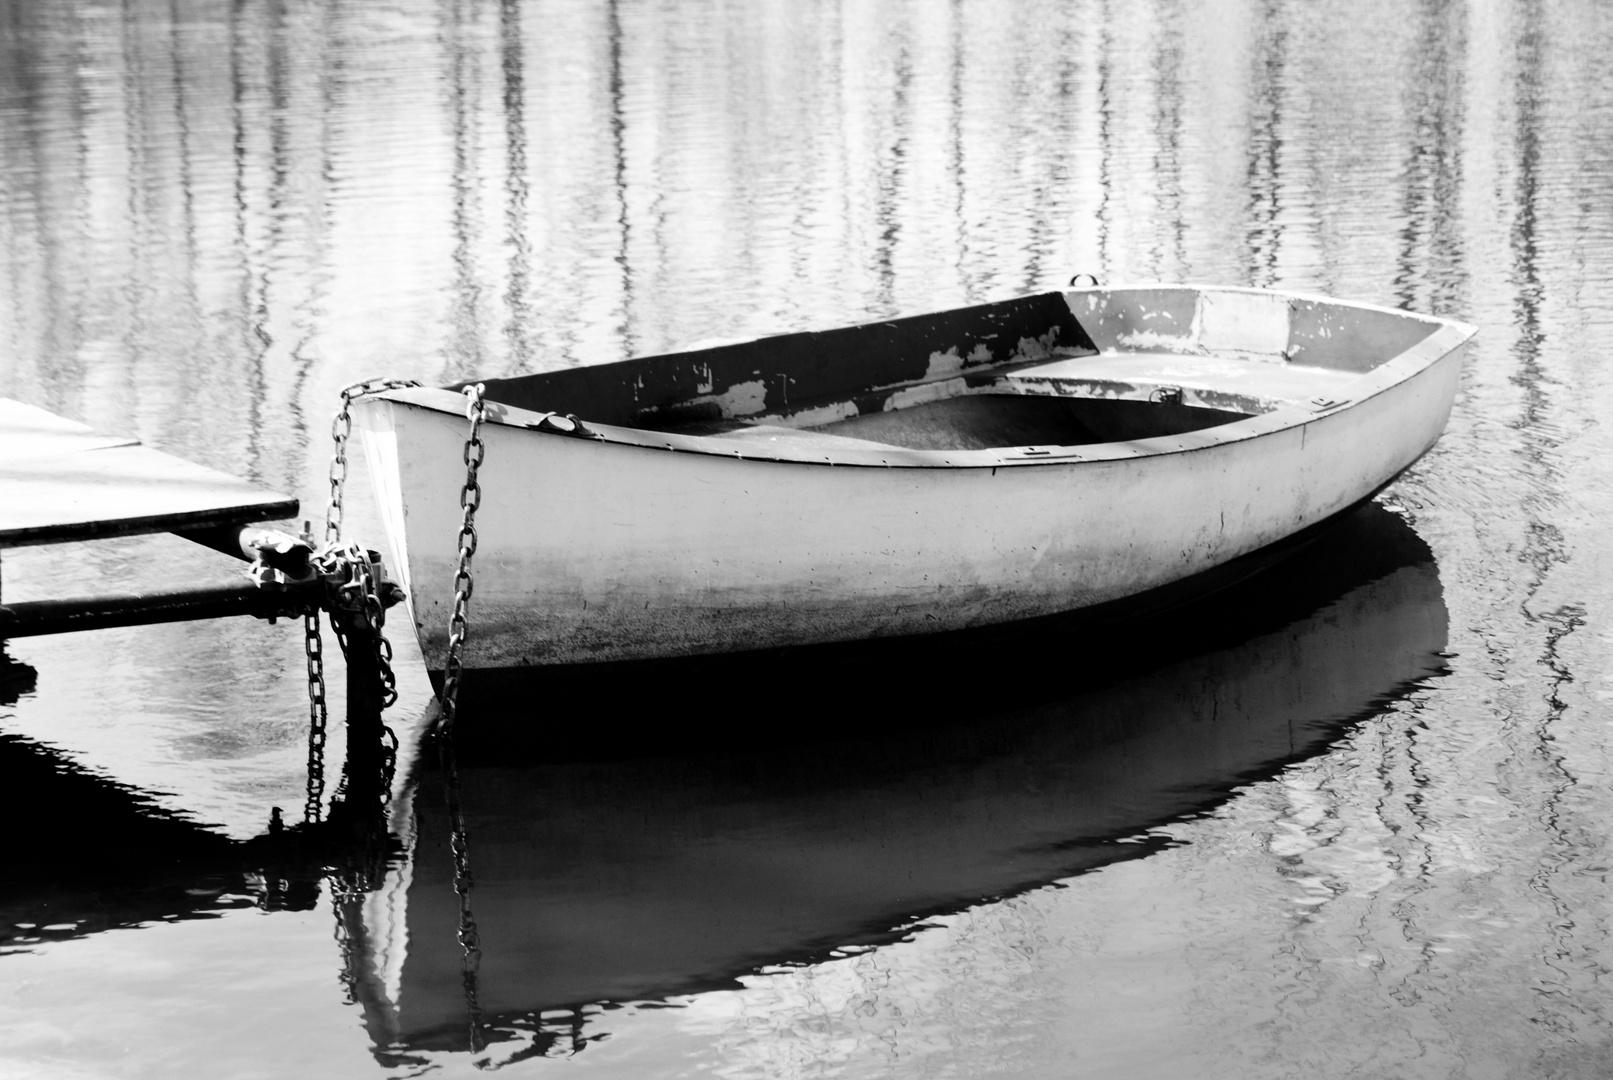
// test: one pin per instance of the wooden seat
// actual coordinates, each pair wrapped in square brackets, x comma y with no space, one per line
[1218,381]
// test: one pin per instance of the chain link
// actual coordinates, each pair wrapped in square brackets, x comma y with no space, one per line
[333,559]
[389,763]
[353,582]
[361,593]
[470,500]
[341,894]
[314,646]
[341,427]
[469,937]
[375,615]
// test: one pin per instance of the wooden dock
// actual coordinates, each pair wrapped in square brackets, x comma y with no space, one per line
[62,481]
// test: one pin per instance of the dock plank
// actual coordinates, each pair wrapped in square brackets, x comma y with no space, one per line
[61,481]
[27,431]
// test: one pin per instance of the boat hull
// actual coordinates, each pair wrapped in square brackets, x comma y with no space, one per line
[592,549]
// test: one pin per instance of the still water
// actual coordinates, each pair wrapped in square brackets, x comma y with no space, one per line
[1351,820]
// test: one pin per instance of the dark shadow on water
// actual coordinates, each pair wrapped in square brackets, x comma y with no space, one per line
[85,853]
[58,810]
[16,678]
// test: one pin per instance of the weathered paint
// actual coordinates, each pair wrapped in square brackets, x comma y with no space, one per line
[740,399]
[822,414]
[795,371]
[923,392]
[945,364]
[612,548]
[1252,325]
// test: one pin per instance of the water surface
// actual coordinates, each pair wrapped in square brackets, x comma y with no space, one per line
[1391,856]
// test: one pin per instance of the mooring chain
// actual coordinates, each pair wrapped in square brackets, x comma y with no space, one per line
[470,968]
[355,584]
[389,763]
[334,561]
[340,894]
[341,427]
[469,937]
[470,499]
[364,582]
[314,646]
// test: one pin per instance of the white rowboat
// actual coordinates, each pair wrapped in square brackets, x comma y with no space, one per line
[1093,449]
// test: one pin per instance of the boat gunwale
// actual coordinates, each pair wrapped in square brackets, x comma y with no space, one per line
[1448,336]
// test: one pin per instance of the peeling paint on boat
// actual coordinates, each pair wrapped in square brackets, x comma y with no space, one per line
[1036,348]
[1157,341]
[1247,324]
[928,391]
[943,364]
[743,399]
[740,399]
[1084,388]
[823,414]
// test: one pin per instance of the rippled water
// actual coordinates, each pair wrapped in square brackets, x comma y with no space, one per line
[1355,821]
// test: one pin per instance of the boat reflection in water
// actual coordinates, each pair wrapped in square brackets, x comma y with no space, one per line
[968,769]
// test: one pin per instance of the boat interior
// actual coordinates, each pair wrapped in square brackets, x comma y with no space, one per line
[1055,369]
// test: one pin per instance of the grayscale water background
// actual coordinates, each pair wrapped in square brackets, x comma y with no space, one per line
[215,215]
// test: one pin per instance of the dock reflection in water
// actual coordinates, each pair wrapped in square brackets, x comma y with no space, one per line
[1019,758]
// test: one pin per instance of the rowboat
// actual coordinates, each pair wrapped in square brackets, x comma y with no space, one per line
[1092,449]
